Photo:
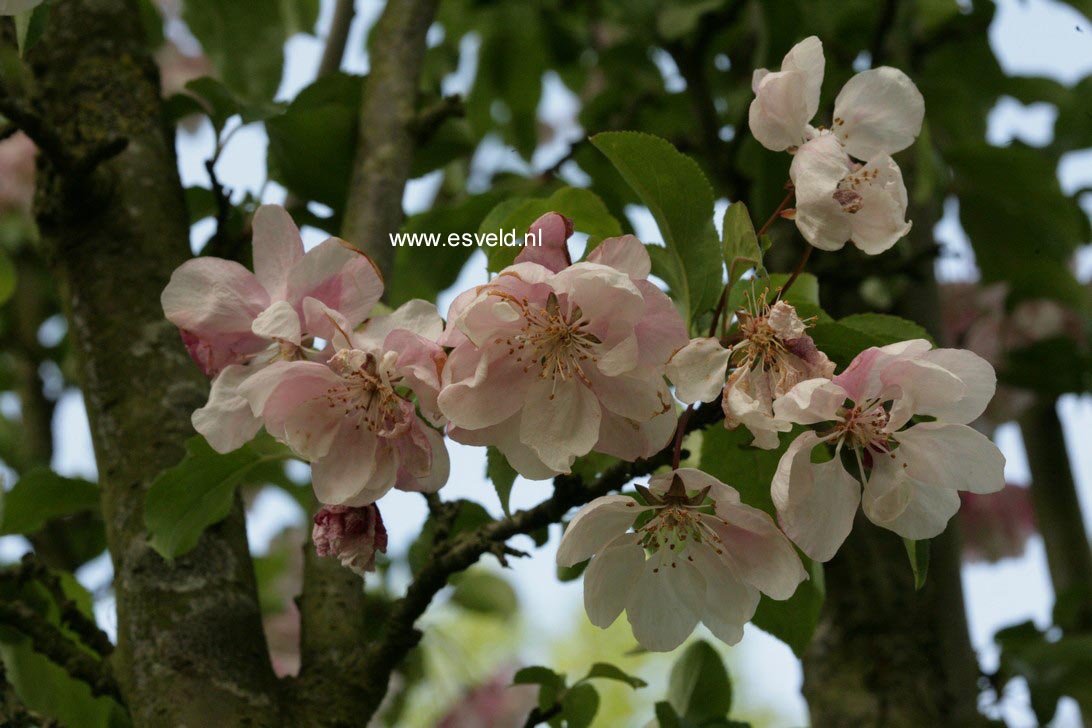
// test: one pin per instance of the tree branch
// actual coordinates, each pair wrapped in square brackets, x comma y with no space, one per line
[337,38]
[401,635]
[387,129]
[52,643]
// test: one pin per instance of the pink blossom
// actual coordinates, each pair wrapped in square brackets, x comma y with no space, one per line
[774,355]
[496,703]
[354,535]
[910,476]
[552,361]
[691,561]
[350,416]
[234,322]
[997,526]
[17,173]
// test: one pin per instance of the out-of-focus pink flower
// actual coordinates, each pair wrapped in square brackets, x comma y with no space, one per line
[551,360]
[351,416]
[910,476]
[176,69]
[496,703]
[17,173]
[998,526]
[689,562]
[773,356]
[235,322]
[353,535]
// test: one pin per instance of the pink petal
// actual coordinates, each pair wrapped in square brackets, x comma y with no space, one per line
[560,422]
[226,420]
[339,276]
[625,253]
[277,248]
[552,230]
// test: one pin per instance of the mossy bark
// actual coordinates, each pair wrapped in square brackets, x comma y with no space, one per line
[190,645]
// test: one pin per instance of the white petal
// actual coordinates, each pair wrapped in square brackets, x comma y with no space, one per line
[816,169]
[417,316]
[881,220]
[878,111]
[729,602]
[977,376]
[226,420]
[277,248]
[609,579]
[595,525]
[815,503]
[560,421]
[656,611]
[952,456]
[695,480]
[811,402]
[760,553]
[359,470]
[279,321]
[786,100]
[698,369]
[896,501]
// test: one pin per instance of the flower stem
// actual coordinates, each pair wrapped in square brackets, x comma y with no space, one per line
[795,273]
[777,213]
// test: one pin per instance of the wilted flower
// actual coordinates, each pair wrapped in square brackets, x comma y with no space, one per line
[351,416]
[774,354]
[687,560]
[353,535]
[910,476]
[847,186]
[234,322]
[553,361]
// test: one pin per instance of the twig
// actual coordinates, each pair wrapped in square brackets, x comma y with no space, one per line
[337,38]
[432,117]
[795,272]
[777,212]
[32,569]
[401,635]
[52,643]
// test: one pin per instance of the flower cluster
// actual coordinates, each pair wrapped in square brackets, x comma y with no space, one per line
[847,186]
[551,360]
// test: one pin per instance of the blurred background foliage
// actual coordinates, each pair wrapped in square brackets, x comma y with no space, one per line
[509,94]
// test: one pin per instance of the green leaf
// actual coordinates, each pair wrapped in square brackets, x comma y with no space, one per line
[41,495]
[582,206]
[186,499]
[699,687]
[300,16]
[244,42]
[311,145]
[485,593]
[728,456]
[580,705]
[846,338]
[501,474]
[679,197]
[608,671]
[739,241]
[1052,666]
[8,278]
[918,553]
[538,675]
[793,621]
[219,102]
[29,26]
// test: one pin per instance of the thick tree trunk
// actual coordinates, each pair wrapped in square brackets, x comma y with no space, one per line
[190,645]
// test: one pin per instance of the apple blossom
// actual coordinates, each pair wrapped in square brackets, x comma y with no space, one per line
[551,361]
[774,354]
[846,184]
[351,415]
[354,535]
[910,476]
[234,322]
[687,560]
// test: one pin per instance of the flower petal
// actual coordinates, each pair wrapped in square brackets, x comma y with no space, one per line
[878,111]
[610,577]
[881,220]
[786,100]
[810,402]
[977,376]
[816,503]
[817,168]
[226,420]
[952,456]
[657,610]
[277,248]
[595,525]
[359,470]
[698,370]
[895,500]
[552,232]
[340,276]
[560,421]
[759,552]
[279,321]
[729,602]
[625,253]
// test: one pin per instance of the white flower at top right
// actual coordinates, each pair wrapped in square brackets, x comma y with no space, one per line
[847,186]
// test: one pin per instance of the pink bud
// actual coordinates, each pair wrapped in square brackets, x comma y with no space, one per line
[354,535]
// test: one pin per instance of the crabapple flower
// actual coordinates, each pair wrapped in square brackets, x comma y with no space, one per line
[353,535]
[774,355]
[847,186]
[551,361]
[351,415]
[690,560]
[234,322]
[911,475]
